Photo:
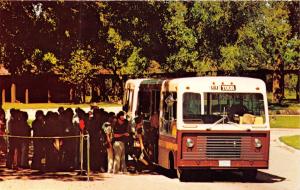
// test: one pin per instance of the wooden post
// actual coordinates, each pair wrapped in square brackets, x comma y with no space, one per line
[49,96]
[298,88]
[26,96]
[13,93]
[3,96]
[71,95]
[84,93]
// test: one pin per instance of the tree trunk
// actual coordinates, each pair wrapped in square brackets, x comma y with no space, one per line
[84,93]
[95,93]
[13,93]
[278,79]
[3,96]
[72,95]
[77,96]
[298,88]
[49,96]
[26,96]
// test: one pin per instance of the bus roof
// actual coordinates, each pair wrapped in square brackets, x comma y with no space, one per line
[134,83]
[152,81]
[215,84]
[144,82]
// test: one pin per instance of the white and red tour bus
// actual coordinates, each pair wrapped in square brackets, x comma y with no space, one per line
[205,123]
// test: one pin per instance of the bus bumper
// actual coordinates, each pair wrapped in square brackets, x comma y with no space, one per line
[223,164]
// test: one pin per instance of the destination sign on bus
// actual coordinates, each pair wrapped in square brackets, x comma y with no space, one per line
[223,87]
[228,87]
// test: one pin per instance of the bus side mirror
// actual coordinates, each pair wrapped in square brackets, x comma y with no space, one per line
[170,100]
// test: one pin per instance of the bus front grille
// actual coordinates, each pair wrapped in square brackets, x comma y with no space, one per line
[223,147]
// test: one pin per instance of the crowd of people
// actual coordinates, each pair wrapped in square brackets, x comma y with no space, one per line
[53,141]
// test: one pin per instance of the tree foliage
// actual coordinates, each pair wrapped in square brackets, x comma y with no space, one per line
[75,39]
[258,39]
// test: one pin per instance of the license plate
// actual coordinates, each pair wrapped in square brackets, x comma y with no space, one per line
[224,163]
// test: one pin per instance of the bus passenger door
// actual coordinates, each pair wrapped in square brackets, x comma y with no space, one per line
[167,137]
[144,111]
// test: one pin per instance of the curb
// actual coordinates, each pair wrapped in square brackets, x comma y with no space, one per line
[289,148]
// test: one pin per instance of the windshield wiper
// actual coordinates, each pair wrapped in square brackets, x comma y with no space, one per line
[224,116]
[220,120]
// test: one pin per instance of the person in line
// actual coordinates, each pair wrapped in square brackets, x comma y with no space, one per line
[12,143]
[103,141]
[26,132]
[154,123]
[17,156]
[70,145]
[3,146]
[15,152]
[38,127]
[138,153]
[53,151]
[120,139]
[97,140]
[60,110]
[94,134]
[108,130]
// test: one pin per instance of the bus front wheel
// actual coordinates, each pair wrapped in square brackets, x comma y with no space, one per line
[182,175]
[250,174]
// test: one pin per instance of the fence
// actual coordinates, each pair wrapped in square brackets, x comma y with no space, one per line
[81,147]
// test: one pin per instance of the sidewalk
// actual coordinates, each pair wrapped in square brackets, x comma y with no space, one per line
[278,132]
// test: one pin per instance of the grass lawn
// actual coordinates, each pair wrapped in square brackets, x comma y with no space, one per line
[286,105]
[293,141]
[288,94]
[285,121]
[7,106]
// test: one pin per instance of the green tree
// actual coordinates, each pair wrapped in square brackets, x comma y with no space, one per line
[141,23]
[181,39]
[216,25]
[78,72]
[57,28]
[126,35]
[264,42]
[47,37]
[196,32]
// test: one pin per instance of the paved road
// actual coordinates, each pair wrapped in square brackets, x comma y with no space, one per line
[283,174]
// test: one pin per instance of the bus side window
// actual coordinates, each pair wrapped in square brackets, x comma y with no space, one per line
[144,104]
[125,101]
[130,100]
[155,100]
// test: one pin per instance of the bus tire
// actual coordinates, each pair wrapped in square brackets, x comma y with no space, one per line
[250,174]
[182,175]
[172,170]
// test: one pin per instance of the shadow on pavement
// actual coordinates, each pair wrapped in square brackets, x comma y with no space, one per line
[222,176]
[195,176]
[28,174]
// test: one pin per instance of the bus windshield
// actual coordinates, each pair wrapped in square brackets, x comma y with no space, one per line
[240,108]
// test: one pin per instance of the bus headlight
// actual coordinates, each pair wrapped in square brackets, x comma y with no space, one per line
[258,143]
[189,143]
